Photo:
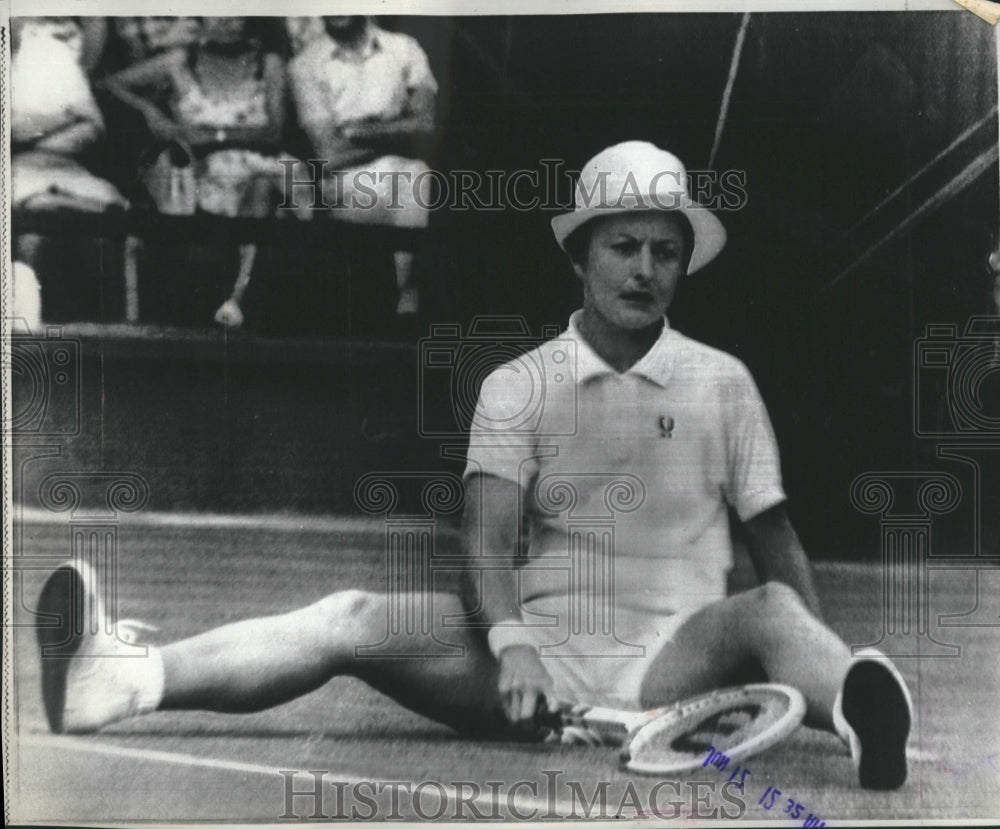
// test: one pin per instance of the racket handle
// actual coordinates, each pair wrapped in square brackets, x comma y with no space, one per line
[585,724]
[549,719]
[556,715]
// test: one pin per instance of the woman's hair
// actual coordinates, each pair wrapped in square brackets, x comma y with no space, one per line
[577,244]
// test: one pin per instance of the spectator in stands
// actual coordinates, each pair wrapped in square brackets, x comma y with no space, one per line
[146,37]
[54,122]
[223,127]
[301,31]
[54,118]
[362,95]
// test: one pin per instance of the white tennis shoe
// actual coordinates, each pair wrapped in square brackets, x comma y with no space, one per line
[93,673]
[872,714]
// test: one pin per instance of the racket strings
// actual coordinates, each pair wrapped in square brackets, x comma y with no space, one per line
[719,732]
[720,729]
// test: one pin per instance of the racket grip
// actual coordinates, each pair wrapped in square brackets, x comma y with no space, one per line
[557,714]
[553,720]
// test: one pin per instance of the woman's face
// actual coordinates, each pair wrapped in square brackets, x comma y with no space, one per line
[222,29]
[633,264]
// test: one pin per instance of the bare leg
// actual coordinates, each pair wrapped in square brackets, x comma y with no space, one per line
[260,663]
[230,314]
[27,247]
[132,251]
[27,289]
[248,255]
[769,624]
[444,673]
[409,299]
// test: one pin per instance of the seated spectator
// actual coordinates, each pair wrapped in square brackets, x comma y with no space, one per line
[362,94]
[54,122]
[222,126]
[54,118]
[301,31]
[146,37]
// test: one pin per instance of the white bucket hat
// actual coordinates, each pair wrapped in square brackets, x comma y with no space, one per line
[637,175]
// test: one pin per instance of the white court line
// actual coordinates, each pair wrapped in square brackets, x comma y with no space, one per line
[279,522]
[488,805]
[321,523]
[252,521]
[76,744]
[451,794]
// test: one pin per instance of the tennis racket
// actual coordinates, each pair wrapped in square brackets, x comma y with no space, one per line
[720,727]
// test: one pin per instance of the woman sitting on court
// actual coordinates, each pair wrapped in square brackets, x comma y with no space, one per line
[637,421]
[225,115]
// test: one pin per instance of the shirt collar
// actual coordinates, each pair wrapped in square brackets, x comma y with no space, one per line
[656,365]
[369,45]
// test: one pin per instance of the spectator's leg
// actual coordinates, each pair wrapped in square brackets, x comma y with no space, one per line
[409,297]
[412,212]
[230,314]
[27,289]
[27,247]
[248,255]
[130,272]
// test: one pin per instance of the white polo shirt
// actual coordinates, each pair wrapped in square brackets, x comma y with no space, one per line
[333,86]
[647,460]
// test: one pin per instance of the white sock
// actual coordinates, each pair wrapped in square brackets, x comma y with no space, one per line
[844,731]
[27,307]
[409,300]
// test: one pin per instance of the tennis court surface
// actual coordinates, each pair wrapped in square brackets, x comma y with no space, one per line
[188,575]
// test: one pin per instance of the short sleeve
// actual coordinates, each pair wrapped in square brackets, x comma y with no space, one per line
[418,70]
[753,461]
[307,93]
[298,78]
[498,445]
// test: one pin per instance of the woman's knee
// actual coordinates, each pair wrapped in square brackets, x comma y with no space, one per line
[777,598]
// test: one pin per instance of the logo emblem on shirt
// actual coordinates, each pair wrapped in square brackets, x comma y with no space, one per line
[666,423]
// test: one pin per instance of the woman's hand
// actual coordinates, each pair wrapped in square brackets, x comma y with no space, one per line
[365,129]
[71,139]
[524,685]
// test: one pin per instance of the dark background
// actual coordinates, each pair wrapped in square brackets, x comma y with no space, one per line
[830,114]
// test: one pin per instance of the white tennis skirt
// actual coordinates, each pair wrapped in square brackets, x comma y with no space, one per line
[594,655]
